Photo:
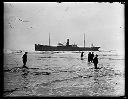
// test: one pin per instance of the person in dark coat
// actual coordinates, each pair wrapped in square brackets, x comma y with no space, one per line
[24,59]
[82,54]
[89,56]
[92,56]
[95,61]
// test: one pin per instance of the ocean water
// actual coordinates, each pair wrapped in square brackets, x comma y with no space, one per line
[64,74]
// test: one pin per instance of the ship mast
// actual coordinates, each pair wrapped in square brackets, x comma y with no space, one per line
[84,40]
[49,39]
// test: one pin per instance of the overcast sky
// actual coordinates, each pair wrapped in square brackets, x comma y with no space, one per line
[26,24]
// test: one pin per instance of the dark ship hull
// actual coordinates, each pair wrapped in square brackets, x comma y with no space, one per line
[67,47]
[64,48]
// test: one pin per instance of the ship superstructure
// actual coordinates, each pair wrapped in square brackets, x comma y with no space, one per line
[66,47]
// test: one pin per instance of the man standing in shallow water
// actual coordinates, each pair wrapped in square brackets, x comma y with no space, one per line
[95,61]
[89,57]
[24,59]
[92,56]
[82,54]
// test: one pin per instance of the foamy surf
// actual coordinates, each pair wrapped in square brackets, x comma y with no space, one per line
[63,74]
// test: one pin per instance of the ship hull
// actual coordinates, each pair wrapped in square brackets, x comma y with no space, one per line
[64,48]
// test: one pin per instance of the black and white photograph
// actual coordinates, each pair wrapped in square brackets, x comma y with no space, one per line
[67,49]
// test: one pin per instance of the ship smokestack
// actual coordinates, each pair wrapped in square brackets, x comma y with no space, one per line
[67,42]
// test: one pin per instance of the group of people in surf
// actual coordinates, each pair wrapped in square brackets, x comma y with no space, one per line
[91,58]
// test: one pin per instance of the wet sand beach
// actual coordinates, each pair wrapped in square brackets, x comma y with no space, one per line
[63,74]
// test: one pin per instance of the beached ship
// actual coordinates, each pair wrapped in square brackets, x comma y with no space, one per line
[66,47]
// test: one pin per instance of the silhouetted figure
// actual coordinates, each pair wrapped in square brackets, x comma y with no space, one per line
[82,54]
[95,61]
[24,59]
[89,57]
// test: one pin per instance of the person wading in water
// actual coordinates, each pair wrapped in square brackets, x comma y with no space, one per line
[95,61]
[82,54]
[24,59]
[91,57]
